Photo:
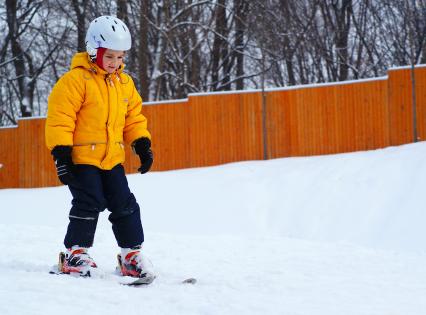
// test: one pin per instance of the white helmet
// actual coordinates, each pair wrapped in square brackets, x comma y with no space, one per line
[107,32]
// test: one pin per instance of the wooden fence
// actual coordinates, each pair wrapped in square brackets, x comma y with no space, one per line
[216,128]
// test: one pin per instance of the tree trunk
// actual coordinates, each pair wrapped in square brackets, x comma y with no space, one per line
[219,44]
[80,12]
[241,8]
[143,50]
[343,17]
[122,10]
[18,57]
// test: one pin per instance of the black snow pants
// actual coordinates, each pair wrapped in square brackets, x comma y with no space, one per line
[93,191]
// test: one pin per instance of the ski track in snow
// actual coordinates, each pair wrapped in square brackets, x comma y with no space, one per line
[339,234]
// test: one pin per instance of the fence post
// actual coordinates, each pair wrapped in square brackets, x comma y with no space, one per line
[414,101]
[264,118]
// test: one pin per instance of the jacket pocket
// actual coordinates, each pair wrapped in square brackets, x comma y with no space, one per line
[119,152]
[92,153]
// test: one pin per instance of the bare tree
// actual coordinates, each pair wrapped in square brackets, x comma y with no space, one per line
[80,8]
[181,47]
[18,22]
[241,8]
[25,57]
[337,21]
[143,48]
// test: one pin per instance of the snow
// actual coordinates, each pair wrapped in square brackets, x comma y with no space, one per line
[182,100]
[408,67]
[336,234]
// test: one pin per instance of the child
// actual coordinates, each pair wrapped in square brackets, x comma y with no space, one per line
[92,110]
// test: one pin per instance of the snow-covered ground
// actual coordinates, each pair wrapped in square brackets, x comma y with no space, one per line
[338,234]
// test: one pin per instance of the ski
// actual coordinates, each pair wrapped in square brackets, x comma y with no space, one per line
[126,281]
[54,270]
[144,280]
[190,281]
[131,281]
[96,274]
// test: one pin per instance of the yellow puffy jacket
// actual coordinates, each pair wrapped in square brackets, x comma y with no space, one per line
[95,113]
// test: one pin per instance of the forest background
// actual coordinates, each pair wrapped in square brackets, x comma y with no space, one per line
[190,46]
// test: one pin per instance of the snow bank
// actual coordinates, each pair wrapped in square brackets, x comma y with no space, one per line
[374,199]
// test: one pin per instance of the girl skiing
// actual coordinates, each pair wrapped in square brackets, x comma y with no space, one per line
[92,111]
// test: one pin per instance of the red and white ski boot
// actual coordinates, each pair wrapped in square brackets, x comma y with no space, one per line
[132,263]
[76,261]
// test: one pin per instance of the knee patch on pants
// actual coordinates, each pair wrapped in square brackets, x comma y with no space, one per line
[128,209]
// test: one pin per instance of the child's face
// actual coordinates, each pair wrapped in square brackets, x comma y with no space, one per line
[112,60]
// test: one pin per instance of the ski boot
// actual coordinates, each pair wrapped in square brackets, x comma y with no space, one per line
[131,263]
[76,261]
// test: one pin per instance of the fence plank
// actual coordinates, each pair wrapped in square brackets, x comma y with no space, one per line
[421,102]
[9,158]
[400,106]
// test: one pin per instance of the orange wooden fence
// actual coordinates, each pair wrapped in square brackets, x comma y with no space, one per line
[216,128]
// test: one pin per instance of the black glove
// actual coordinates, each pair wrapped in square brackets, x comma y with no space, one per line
[63,162]
[142,147]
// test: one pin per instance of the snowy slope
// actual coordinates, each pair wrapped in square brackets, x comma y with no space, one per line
[338,234]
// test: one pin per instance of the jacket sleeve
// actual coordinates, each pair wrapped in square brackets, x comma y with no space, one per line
[136,123]
[63,104]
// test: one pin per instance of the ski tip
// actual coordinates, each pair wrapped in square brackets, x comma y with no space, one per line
[54,270]
[190,281]
[129,281]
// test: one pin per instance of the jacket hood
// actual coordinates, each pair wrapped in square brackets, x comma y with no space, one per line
[82,60]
